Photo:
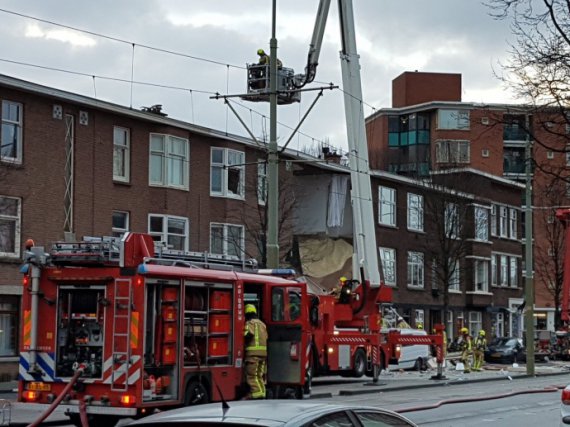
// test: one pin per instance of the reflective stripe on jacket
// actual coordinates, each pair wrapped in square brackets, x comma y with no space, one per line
[255,334]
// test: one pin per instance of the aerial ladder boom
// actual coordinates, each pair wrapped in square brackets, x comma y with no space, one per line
[365,258]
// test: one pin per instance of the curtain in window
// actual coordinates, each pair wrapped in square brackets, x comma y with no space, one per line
[337,200]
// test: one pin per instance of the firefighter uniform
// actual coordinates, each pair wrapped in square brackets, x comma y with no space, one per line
[480,345]
[466,348]
[255,335]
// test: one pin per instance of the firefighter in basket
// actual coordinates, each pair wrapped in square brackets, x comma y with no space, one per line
[480,345]
[255,337]
[466,347]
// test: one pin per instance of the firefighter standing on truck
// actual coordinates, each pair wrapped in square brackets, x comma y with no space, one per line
[465,345]
[255,336]
[480,345]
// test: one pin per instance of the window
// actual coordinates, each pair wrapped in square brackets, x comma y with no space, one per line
[493,220]
[261,182]
[416,269]
[481,223]
[9,325]
[512,223]
[121,154]
[567,156]
[504,279]
[419,318]
[227,239]
[451,220]
[120,223]
[453,119]
[388,259]
[452,151]
[10,227]
[475,324]
[415,212]
[494,270]
[336,419]
[379,419]
[387,208]
[169,230]
[11,138]
[513,272]
[454,277]
[503,221]
[481,276]
[227,173]
[169,161]
[550,156]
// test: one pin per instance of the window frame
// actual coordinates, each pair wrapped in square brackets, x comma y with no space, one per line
[475,321]
[513,223]
[415,212]
[455,279]
[503,221]
[120,231]
[164,234]
[415,268]
[224,166]
[483,286]
[125,151]
[503,271]
[18,126]
[462,121]
[493,220]
[261,182]
[481,230]
[389,264]
[226,242]
[494,271]
[451,220]
[166,156]
[387,208]
[455,151]
[17,228]
[13,332]
[513,272]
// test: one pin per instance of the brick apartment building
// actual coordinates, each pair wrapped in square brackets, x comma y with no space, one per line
[72,166]
[429,128]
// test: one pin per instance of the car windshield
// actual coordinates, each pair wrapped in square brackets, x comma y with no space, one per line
[505,342]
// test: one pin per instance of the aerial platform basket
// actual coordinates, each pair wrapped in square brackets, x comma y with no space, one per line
[258,85]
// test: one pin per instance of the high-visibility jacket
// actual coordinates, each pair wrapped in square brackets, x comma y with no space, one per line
[255,334]
[465,344]
[480,343]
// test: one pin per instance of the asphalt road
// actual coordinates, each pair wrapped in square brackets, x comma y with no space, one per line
[537,409]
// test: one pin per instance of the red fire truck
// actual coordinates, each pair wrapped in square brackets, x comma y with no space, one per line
[114,330]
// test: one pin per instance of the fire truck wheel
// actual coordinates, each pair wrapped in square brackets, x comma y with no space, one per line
[359,364]
[196,394]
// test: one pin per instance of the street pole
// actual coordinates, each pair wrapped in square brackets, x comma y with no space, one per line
[529,267]
[273,157]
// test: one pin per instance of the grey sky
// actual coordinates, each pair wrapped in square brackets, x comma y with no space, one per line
[393,36]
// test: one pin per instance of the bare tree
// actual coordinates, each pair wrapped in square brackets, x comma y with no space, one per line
[449,213]
[549,248]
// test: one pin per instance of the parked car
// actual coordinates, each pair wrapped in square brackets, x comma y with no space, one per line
[565,407]
[413,356]
[505,350]
[275,413]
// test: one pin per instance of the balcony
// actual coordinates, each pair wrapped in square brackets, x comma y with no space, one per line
[514,134]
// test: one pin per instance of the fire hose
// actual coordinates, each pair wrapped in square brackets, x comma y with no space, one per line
[549,389]
[57,401]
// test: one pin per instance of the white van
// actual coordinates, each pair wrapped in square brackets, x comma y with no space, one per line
[413,356]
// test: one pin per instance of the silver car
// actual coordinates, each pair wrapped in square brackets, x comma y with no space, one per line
[275,413]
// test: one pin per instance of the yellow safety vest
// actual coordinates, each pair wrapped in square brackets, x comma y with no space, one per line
[255,334]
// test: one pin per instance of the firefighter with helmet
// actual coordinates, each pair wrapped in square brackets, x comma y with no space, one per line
[465,345]
[264,59]
[336,291]
[255,337]
[480,345]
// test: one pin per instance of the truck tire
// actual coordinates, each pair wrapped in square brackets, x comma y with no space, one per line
[420,364]
[196,394]
[359,364]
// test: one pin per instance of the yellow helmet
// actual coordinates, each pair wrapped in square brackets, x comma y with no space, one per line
[343,279]
[420,326]
[464,330]
[250,308]
[482,333]
[260,52]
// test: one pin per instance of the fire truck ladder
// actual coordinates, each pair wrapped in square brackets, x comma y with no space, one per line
[121,335]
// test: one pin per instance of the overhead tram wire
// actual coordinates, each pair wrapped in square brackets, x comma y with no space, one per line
[116,39]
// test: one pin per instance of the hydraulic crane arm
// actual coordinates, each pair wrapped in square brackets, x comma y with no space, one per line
[365,257]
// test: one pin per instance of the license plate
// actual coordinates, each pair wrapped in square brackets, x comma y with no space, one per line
[496,355]
[38,387]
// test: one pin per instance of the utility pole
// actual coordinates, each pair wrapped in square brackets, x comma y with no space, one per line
[273,155]
[529,282]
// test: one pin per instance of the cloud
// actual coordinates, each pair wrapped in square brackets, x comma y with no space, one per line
[74,38]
